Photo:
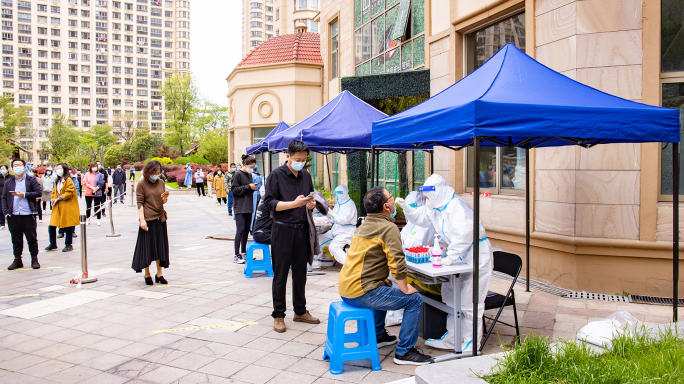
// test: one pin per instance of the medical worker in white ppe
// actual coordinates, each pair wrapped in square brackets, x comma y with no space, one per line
[344,216]
[452,219]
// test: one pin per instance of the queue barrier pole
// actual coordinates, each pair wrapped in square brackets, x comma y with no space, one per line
[132,194]
[111,221]
[84,257]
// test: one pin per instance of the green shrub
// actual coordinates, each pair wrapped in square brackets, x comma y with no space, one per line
[162,160]
[191,159]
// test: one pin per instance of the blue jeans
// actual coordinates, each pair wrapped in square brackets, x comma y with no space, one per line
[383,299]
[230,201]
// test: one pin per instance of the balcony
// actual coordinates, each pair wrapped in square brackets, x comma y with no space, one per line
[101,61]
[105,105]
[7,16]
[25,66]
[101,72]
[101,17]
[104,116]
[6,3]
[7,52]
[23,8]
[101,29]
[24,54]
[102,83]
[102,91]
[26,78]
[155,76]
[156,97]
[103,39]
[157,45]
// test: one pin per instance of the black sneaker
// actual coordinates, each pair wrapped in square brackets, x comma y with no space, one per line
[50,247]
[68,248]
[386,339]
[413,357]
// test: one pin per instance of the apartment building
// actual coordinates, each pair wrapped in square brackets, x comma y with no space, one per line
[95,61]
[263,19]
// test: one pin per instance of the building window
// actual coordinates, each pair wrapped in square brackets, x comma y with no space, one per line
[385,35]
[278,14]
[485,43]
[334,49]
[672,36]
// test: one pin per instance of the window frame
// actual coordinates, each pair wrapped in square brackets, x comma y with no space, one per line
[667,78]
[333,21]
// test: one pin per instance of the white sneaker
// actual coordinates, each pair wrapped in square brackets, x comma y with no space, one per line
[98,223]
[88,222]
[3,227]
[40,220]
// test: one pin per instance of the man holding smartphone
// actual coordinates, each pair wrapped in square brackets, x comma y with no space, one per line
[19,207]
[289,197]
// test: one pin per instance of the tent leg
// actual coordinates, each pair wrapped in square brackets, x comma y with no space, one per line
[527,218]
[372,172]
[432,162]
[327,165]
[675,229]
[377,168]
[476,246]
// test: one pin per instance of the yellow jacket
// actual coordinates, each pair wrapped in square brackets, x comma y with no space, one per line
[220,188]
[65,213]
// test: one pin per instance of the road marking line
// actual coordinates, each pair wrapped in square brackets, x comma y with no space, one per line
[30,269]
[205,327]
[195,248]
[7,297]
[181,285]
[190,261]
[183,245]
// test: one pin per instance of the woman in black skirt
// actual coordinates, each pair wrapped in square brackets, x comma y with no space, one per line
[243,189]
[153,242]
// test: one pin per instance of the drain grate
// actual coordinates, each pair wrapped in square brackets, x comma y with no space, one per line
[538,285]
[597,296]
[654,300]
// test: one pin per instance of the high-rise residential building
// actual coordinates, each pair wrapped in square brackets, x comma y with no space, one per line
[98,62]
[263,19]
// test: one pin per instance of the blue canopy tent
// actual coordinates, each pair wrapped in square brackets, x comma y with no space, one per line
[262,146]
[514,101]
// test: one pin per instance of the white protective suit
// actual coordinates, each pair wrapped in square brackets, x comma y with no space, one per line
[452,218]
[412,235]
[344,216]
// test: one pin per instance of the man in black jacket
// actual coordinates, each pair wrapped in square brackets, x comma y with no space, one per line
[107,190]
[4,175]
[19,207]
[119,181]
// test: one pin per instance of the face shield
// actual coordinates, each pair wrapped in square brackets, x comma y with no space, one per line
[341,194]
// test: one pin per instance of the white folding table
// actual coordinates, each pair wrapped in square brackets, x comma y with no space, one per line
[426,273]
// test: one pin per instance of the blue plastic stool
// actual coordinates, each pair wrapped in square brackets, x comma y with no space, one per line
[335,349]
[264,264]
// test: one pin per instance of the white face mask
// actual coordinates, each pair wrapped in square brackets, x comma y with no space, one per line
[60,172]
[298,166]
[30,173]
[48,173]
[250,170]
[19,169]
[93,169]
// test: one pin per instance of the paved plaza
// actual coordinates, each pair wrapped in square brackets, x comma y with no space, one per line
[119,330]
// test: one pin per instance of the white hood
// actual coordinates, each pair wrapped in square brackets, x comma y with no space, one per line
[343,197]
[442,193]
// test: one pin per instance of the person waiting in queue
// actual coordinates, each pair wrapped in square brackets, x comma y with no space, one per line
[243,191]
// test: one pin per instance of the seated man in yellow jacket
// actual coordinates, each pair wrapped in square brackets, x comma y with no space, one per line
[376,252]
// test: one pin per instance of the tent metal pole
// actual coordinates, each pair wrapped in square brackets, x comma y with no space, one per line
[327,165]
[476,246]
[527,218]
[675,229]
[432,161]
[377,168]
[372,172]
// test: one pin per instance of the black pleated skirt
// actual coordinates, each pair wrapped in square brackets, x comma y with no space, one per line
[152,245]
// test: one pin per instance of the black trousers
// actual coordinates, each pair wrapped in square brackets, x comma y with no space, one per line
[40,211]
[89,203]
[131,177]
[21,226]
[200,186]
[242,221]
[289,249]
[225,200]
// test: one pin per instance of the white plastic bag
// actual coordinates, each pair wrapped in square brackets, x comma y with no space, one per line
[601,332]
[394,318]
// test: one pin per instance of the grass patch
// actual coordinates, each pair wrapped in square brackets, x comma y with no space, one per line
[172,184]
[633,357]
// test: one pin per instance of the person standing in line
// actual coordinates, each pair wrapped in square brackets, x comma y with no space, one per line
[220,187]
[228,184]
[188,176]
[210,183]
[39,179]
[119,181]
[243,189]
[199,181]
[65,209]
[4,175]
[93,181]
[153,239]
[48,183]
[288,196]
[256,197]
[77,185]
[18,202]
[131,171]
[79,177]
[106,190]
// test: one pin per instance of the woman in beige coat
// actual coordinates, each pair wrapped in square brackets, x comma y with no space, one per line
[65,209]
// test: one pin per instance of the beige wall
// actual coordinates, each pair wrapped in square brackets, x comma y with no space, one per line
[262,96]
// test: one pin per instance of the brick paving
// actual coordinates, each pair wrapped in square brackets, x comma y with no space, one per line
[104,332]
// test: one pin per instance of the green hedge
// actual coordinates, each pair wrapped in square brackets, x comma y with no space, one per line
[191,159]
[162,160]
[400,84]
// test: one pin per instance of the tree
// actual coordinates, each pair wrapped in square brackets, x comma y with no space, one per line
[214,146]
[112,156]
[63,139]
[79,157]
[12,118]
[210,116]
[127,124]
[143,144]
[181,100]
[97,140]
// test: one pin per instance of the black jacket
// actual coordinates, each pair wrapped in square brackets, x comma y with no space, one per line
[3,179]
[119,178]
[262,225]
[106,176]
[33,192]
[243,195]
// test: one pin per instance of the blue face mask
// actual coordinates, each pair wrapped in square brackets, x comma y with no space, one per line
[154,177]
[3,171]
[394,213]
[298,166]
[19,170]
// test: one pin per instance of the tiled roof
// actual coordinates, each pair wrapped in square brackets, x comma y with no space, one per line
[303,47]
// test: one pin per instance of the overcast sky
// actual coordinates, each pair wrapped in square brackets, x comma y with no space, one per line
[215,45]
